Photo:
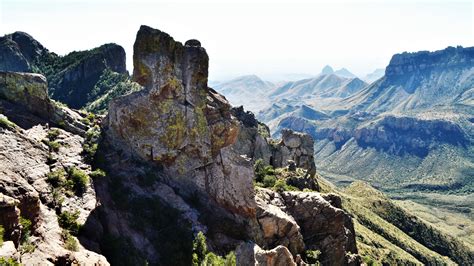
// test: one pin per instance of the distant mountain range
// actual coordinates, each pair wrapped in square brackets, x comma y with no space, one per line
[371,77]
[410,132]
[157,167]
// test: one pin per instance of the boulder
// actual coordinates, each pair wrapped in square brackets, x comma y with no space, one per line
[193,42]
[278,228]
[323,226]
[295,146]
[251,254]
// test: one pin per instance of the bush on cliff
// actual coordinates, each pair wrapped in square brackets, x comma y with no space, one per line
[202,257]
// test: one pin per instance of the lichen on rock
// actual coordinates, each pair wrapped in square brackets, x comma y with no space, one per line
[177,118]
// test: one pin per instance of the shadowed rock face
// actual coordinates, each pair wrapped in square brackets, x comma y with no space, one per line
[78,78]
[18,51]
[177,122]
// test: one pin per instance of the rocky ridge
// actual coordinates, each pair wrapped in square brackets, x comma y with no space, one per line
[178,161]
[72,78]
[30,204]
[188,116]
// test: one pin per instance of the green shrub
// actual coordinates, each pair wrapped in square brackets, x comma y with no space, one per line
[26,229]
[90,145]
[280,186]
[202,257]
[5,123]
[97,173]
[70,243]
[369,261]
[212,259]
[53,134]
[27,247]
[261,170]
[312,257]
[269,181]
[68,220]
[79,178]
[56,178]
[199,248]
[53,145]
[8,262]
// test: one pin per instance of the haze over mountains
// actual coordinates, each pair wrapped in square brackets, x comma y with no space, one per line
[409,132]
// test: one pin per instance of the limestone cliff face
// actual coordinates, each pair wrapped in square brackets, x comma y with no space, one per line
[177,122]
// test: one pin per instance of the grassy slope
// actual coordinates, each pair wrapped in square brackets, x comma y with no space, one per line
[379,240]
[449,222]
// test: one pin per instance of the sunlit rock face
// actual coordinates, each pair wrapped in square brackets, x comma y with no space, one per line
[180,124]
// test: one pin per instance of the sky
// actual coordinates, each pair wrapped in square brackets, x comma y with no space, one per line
[267,38]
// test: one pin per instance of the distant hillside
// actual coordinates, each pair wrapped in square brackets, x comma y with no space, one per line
[316,95]
[77,79]
[248,90]
[371,77]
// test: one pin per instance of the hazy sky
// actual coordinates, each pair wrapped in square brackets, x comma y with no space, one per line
[254,37]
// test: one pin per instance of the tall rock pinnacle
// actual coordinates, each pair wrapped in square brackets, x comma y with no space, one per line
[177,122]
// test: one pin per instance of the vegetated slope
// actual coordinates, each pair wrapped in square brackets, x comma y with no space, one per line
[389,234]
[76,79]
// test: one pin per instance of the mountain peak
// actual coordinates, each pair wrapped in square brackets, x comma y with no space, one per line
[327,70]
[343,72]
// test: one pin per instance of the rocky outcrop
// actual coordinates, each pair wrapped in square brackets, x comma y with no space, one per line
[409,135]
[10,218]
[324,227]
[24,99]
[178,161]
[278,228]
[28,154]
[72,78]
[177,122]
[254,141]
[253,137]
[419,63]
[295,146]
[19,51]
[24,164]
[252,254]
